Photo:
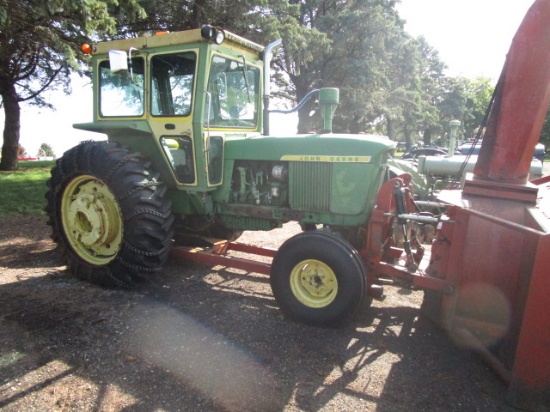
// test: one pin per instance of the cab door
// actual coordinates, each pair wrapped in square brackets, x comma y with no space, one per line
[232,107]
[171,106]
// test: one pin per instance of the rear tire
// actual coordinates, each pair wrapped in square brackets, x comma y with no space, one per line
[109,214]
[318,279]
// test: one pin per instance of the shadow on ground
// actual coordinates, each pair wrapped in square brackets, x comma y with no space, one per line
[212,339]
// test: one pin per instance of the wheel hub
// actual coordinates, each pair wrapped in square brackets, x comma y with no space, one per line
[91,219]
[314,283]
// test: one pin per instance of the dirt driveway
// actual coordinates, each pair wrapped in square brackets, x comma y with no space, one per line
[205,338]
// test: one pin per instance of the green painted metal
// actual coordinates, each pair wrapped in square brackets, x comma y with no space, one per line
[328,100]
[244,180]
[338,148]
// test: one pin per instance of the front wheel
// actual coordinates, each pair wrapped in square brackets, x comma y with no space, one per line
[318,279]
[109,214]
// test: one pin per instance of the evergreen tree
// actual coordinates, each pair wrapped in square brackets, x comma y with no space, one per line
[41,45]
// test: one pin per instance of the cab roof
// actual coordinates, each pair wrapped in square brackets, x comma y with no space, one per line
[169,39]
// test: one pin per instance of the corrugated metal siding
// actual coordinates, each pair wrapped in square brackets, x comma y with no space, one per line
[310,186]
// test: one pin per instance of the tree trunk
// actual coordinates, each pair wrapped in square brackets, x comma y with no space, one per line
[408,138]
[389,127]
[427,136]
[198,18]
[12,128]
[355,127]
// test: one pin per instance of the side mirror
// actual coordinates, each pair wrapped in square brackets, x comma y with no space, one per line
[118,60]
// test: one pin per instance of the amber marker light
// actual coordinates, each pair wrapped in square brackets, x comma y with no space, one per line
[86,48]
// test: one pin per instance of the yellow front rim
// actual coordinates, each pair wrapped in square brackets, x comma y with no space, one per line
[313,283]
[91,219]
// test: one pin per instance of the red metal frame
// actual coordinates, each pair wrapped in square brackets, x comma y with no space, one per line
[521,102]
[496,254]
[381,256]
[490,259]
[485,256]
[217,254]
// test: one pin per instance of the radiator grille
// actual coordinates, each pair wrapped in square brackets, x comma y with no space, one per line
[310,184]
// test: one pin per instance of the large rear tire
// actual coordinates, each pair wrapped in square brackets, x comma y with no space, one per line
[318,279]
[109,214]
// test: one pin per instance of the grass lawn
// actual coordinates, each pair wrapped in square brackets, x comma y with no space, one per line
[22,191]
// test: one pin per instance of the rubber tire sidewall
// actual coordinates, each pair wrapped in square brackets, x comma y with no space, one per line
[340,256]
[146,212]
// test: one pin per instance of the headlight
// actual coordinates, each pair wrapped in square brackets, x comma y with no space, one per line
[212,33]
[219,37]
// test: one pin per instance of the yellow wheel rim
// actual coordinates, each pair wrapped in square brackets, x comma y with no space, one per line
[91,220]
[313,283]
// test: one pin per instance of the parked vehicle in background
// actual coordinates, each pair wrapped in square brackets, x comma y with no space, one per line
[466,148]
[416,151]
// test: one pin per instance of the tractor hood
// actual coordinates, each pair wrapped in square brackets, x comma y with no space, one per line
[311,148]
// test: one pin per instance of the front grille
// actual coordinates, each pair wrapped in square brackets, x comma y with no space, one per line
[309,185]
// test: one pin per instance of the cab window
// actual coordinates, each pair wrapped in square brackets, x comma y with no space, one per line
[233,93]
[172,77]
[179,151]
[121,93]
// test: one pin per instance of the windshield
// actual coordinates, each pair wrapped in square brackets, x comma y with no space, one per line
[233,88]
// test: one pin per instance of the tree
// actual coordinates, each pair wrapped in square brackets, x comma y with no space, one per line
[45,150]
[238,16]
[261,21]
[479,92]
[465,100]
[41,45]
[358,46]
[431,80]
[21,151]
[344,44]
[408,108]
[368,66]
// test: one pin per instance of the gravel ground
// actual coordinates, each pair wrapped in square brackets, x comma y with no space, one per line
[201,338]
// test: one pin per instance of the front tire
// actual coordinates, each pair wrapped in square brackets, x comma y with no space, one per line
[318,279]
[109,214]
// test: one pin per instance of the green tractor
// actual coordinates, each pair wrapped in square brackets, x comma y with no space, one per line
[189,154]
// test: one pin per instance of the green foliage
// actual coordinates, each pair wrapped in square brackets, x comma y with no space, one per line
[389,82]
[22,152]
[347,44]
[36,164]
[41,46]
[465,100]
[23,190]
[238,16]
[45,150]
[42,40]
[369,65]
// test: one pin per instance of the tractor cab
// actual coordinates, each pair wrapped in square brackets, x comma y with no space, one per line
[178,96]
